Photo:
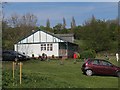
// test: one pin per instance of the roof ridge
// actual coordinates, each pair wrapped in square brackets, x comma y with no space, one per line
[45,32]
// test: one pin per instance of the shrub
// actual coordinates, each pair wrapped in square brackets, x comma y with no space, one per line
[87,54]
[53,56]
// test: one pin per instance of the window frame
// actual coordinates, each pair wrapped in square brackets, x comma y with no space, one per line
[47,47]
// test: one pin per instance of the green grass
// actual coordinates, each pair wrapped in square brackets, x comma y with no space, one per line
[50,74]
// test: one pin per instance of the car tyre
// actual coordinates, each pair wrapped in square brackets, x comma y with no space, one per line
[89,72]
[118,74]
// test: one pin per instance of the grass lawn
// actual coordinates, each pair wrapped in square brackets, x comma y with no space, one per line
[50,74]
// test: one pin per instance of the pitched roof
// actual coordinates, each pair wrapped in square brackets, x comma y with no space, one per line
[67,37]
[55,35]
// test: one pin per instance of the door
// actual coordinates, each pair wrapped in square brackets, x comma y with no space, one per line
[107,68]
[96,67]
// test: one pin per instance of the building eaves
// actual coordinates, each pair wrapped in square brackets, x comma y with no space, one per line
[54,35]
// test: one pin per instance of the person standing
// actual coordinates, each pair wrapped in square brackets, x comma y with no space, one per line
[75,57]
[117,56]
[106,57]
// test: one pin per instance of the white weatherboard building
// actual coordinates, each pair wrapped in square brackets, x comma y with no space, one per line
[40,42]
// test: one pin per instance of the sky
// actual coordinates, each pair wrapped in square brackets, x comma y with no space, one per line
[55,11]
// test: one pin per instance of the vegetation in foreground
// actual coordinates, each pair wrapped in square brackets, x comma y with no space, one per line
[53,74]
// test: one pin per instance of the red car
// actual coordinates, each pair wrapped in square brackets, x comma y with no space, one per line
[98,66]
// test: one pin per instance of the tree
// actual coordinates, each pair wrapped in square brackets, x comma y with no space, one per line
[57,28]
[73,24]
[17,27]
[29,20]
[14,20]
[47,28]
[48,24]
[2,14]
[96,35]
[42,27]
[64,23]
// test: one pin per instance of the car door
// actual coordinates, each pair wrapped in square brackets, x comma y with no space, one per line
[107,68]
[8,56]
[96,67]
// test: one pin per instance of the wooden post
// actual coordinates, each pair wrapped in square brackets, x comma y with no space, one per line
[13,66]
[20,72]
[13,71]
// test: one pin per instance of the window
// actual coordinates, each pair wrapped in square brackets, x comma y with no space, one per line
[43,47]
[106,63]
[89,61]
[95,62]
[46,47]
[49,47]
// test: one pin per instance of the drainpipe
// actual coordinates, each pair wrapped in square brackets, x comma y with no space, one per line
[33,35]
[66,49]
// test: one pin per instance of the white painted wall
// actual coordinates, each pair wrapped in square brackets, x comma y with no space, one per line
[40,36]
[37,37]
[26,48]
[43,37]
[49,38]
[24,41]
[32,44]
[35,49]
[30,39]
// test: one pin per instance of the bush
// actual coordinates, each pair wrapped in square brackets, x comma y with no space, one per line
[7,78]
[87,54]
[53,56]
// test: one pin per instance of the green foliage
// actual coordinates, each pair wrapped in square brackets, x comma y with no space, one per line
[57,28]
[16,27]
[95,34]
[7,78]
[98,35]
[88,54]
[39,74]
[81,44]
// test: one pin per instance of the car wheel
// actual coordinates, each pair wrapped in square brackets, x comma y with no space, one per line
[118,74]
[89,72]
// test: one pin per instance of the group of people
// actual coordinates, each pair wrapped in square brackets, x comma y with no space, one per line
[75,56]
[42,58]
